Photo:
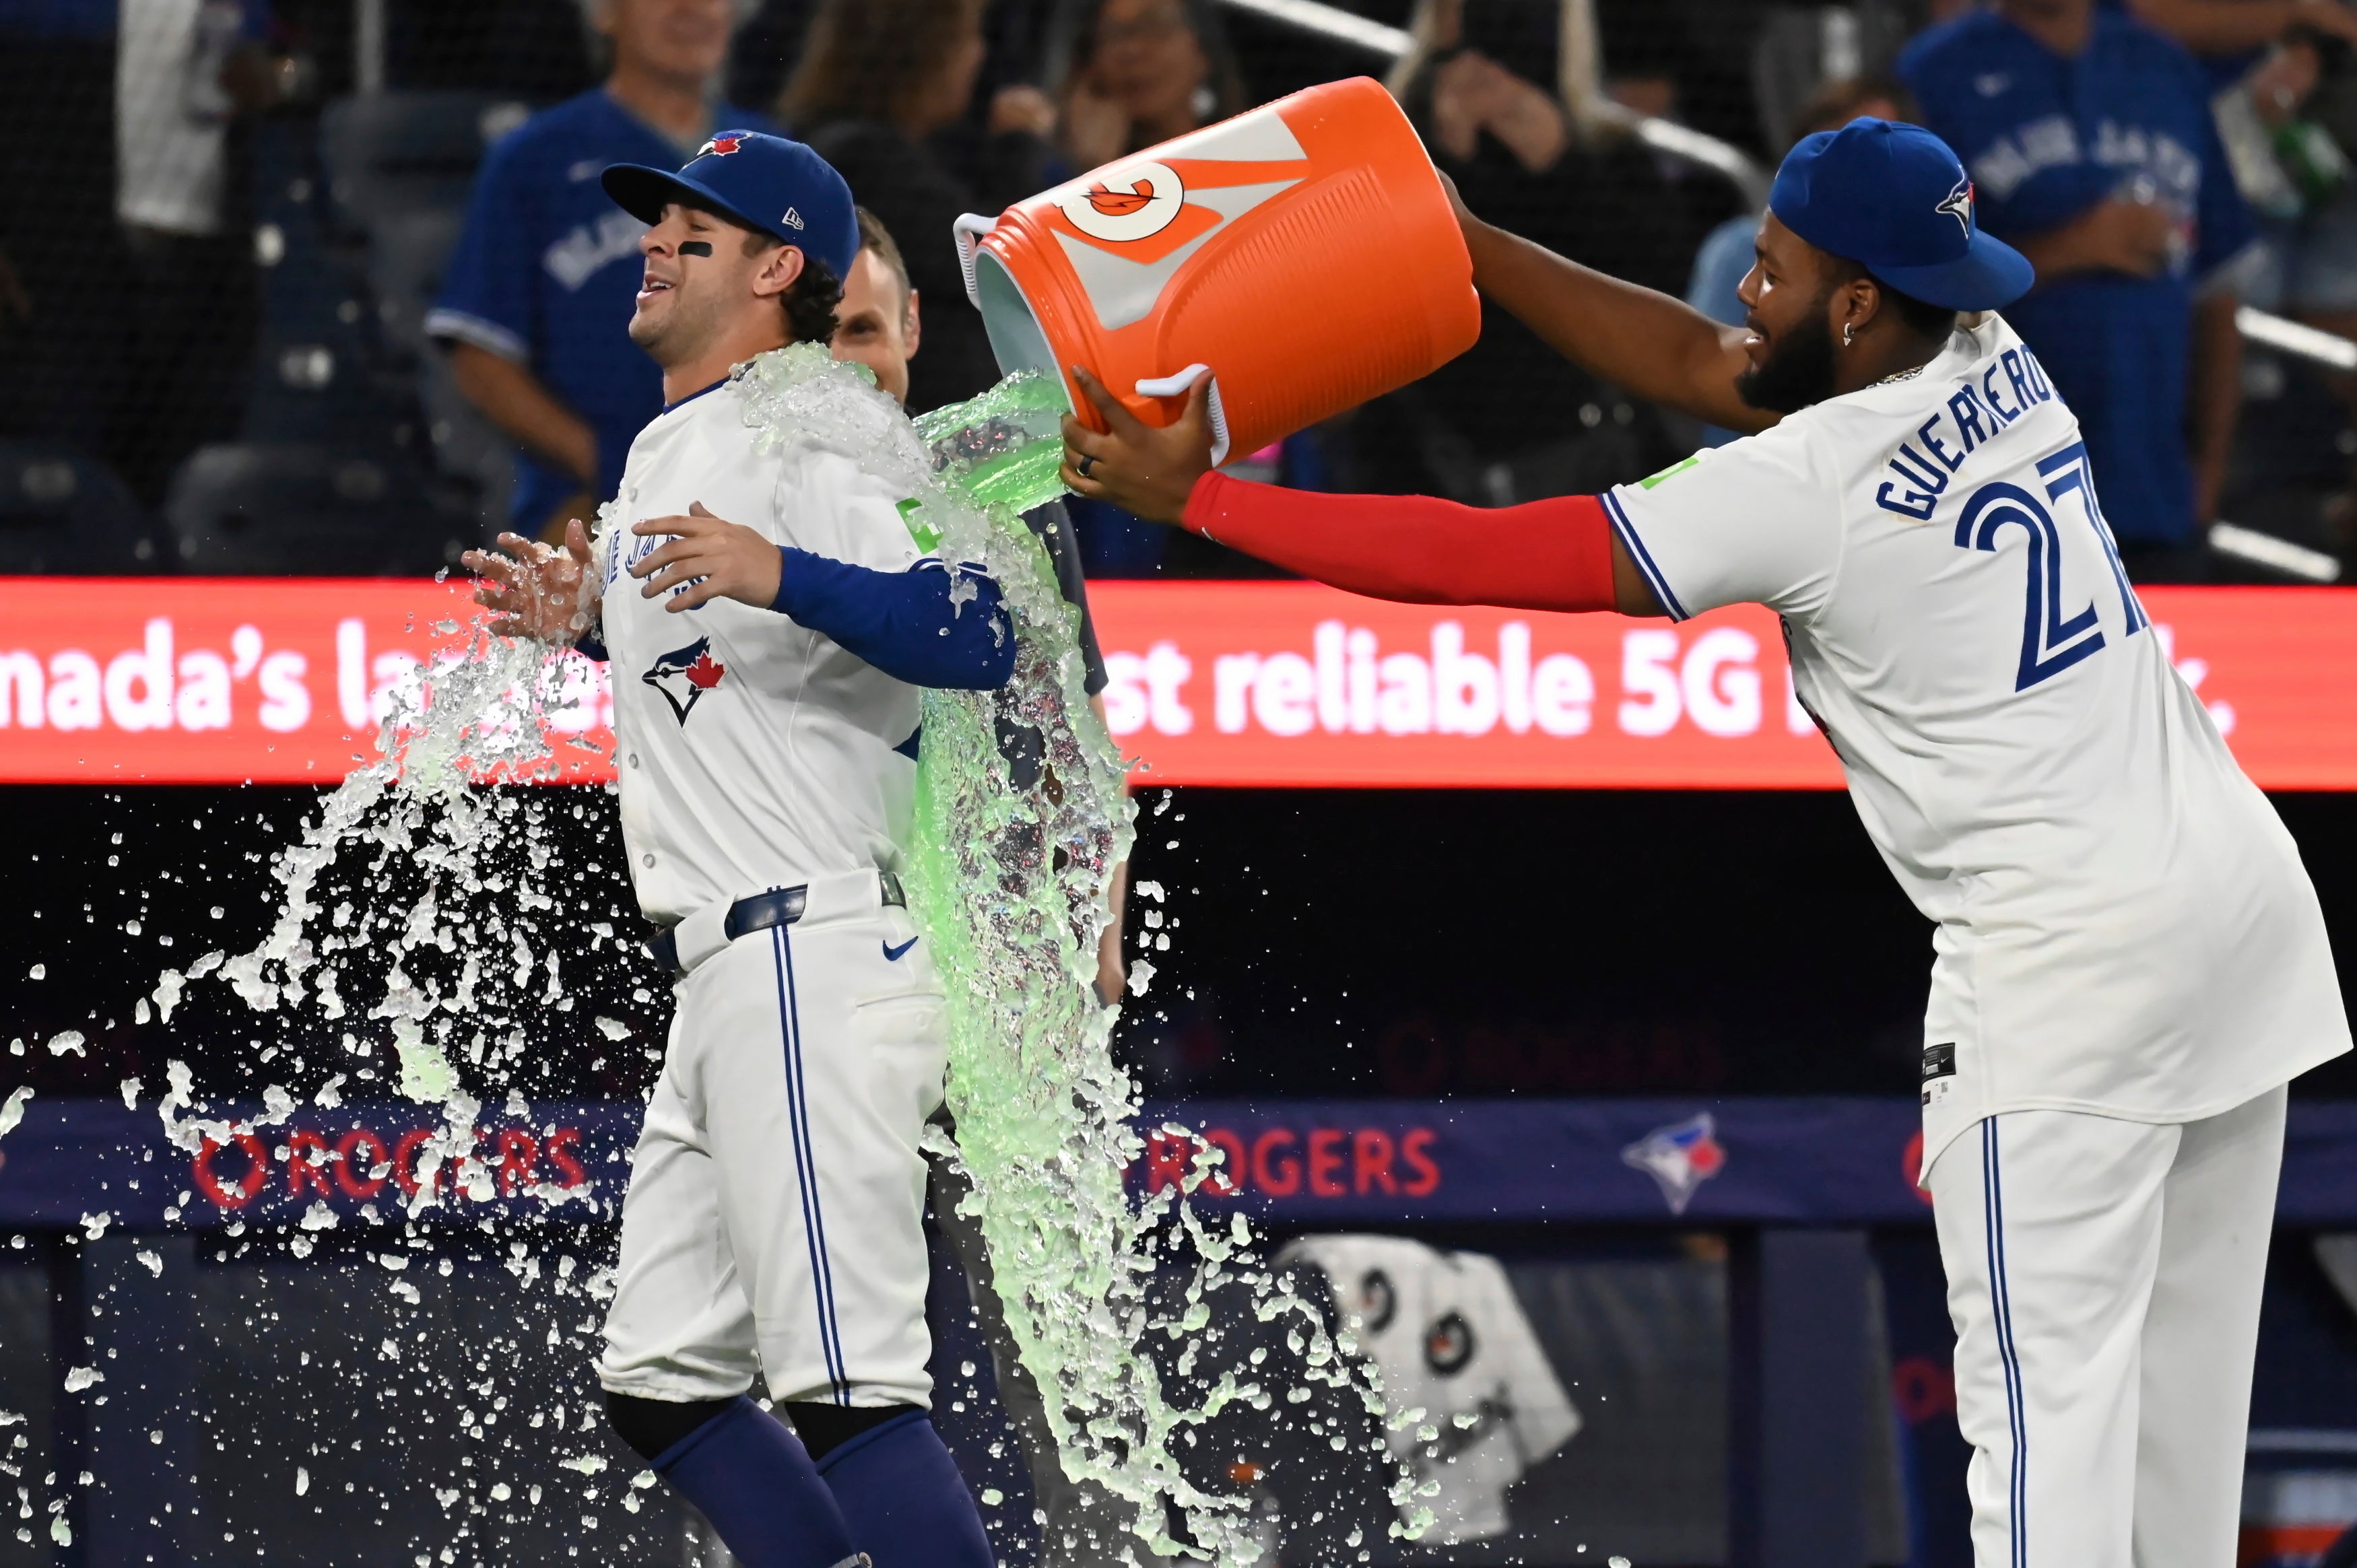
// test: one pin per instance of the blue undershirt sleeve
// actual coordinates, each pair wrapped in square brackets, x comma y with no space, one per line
[904,623]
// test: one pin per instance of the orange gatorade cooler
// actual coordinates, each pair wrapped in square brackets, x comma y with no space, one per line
[1304,252]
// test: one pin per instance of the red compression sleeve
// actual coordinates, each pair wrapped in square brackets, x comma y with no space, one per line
[1553,554]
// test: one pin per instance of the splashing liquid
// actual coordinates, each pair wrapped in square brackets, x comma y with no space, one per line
[1022,817]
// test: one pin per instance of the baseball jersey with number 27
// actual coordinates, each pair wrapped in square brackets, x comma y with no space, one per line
[2123,925]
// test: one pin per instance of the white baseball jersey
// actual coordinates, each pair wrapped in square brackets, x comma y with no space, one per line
[753,752]
[1450,1335]
[774,1217]
[2123,925]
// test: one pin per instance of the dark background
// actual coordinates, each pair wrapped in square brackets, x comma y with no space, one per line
[1399,943]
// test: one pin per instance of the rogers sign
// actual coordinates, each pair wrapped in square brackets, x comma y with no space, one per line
[1311,1163]
[282,680]
[361,1164]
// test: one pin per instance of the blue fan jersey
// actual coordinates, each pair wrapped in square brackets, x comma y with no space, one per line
[547,271]
[2045,139]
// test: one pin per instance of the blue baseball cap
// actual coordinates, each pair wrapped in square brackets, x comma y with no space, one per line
[769,184]
[1897,202]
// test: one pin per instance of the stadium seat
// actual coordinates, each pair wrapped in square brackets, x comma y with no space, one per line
[407,253]
[1800,48]
[392,152]
[321,372]
[309,511]
[468,449]
[62,514]
[400,165]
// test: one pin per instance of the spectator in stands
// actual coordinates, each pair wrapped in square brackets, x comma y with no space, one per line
[183,73]
[1725,257]
[1142,71]
[58,342]
[2091,148]
[1508,98]
[879,80]
[539,295]
[2230,35]
[2287,126]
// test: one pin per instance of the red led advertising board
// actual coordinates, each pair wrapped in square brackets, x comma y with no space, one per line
[280,680]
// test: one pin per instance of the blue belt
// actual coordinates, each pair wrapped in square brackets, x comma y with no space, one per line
[759,912]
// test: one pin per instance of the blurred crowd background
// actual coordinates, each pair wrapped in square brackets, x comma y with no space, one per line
[328,287]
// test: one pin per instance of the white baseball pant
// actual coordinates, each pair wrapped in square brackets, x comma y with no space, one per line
[774,1220]
[2105,1279]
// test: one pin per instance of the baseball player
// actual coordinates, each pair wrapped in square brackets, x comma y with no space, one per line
[2130,962]
[765,712]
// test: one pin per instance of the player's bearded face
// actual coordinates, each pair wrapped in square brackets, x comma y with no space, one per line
[1797,367]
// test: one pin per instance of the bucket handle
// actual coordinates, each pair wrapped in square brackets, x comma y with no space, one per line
[967,234]
[1175,386]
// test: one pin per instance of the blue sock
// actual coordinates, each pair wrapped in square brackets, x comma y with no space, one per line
[755,1483]
[902,1496]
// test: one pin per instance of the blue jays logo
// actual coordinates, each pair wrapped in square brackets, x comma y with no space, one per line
[720,147]
[1959,205]
[1679,1157]
[685,674]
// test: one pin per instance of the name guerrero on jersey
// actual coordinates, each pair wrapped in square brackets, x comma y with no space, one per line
[2124,926]
[753,752]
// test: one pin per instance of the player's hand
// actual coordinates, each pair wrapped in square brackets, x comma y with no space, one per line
[714,558]
[536,590]
[1134,465]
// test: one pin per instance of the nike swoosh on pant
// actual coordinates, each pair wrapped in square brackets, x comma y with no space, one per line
[894,955]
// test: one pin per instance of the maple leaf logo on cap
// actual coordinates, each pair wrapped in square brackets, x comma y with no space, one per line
[720,147]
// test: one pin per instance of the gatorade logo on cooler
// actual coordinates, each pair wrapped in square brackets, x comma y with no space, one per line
[1129,229]
[1139,203]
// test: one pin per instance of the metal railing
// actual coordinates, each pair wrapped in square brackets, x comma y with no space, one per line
[2326,350]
